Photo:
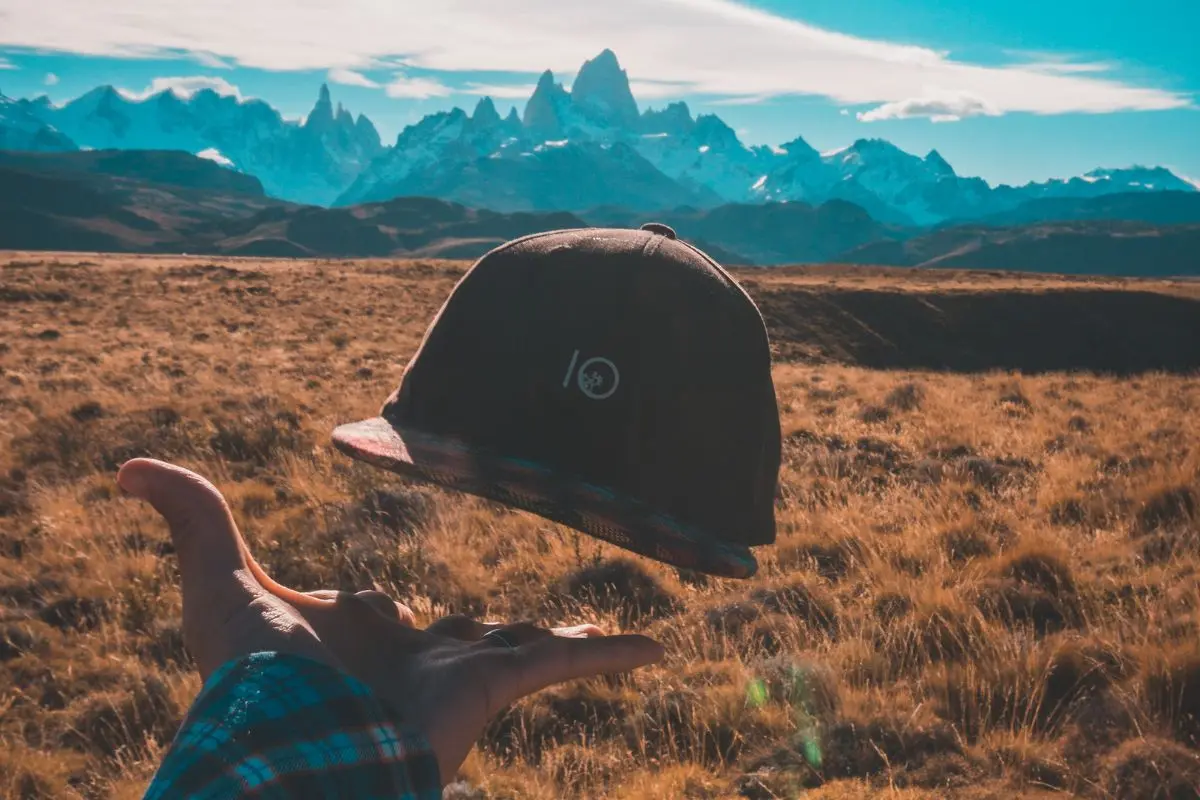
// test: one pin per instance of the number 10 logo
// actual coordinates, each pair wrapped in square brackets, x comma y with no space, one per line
[598,378]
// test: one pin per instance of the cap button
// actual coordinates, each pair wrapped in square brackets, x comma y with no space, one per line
[660,229]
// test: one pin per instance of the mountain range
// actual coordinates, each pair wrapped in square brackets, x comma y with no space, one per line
[305,162]
[174,202]
[571,150]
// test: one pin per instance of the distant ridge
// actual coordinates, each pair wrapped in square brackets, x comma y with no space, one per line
[171,202]
[569,150]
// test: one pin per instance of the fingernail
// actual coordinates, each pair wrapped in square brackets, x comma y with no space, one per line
[132,482]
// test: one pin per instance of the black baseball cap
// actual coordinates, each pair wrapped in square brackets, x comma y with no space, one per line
[615,381]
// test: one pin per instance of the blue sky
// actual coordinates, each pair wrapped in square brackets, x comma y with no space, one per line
[1011,90]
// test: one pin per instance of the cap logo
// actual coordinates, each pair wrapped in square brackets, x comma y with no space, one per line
[597,377]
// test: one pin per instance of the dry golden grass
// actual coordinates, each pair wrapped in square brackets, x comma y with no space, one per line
[984,584]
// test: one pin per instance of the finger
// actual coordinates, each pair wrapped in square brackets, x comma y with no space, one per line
[377,601]
[217,587]
[556,659]
[463,628]
[578,631]
[207,543]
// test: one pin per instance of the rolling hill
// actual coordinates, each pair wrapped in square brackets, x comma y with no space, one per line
[173,202]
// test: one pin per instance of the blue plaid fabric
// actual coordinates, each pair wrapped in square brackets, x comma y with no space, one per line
[272,725]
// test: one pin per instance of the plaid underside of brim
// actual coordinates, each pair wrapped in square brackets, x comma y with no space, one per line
[273,725]
[597,510]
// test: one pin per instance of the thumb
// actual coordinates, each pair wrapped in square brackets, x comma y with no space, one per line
[212,565]
[202,529]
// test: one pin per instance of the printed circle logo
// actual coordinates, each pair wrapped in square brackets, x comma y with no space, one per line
[598,378]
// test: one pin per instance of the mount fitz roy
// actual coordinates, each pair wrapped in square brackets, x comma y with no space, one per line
[580,149]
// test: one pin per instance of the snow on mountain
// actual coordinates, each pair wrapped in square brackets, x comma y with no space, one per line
[1109,181]
[22,129]
[214,155]
[510,162]
[894,186]
[311,162]
[702,155]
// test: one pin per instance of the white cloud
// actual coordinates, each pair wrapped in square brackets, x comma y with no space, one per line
[185,87]
[210,60]
[411,88]
[507,91]
[348,77]
[845,112]
[1044,61]
[51,79]
[936,105]
[657,90]
[747,100]
[720,48]
[1067,67]
[6,64]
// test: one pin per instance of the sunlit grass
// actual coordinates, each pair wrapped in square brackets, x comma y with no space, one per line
[983,585]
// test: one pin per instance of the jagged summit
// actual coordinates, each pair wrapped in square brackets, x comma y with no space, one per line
[485,112]
[938,164]
[800,148]
[601,90]
[546,107]
[322,114]
[675,119]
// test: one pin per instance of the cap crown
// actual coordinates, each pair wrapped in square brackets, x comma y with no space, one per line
[621,358]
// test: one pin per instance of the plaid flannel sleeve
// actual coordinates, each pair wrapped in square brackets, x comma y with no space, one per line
[272,725]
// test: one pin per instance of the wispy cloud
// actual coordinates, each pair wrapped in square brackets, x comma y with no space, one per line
[210,60]
[504,91]
[51,79]
[185,87]
[657,90]
[1069,68]
[717,48]
[937,106]
[408,87]
[6,64]
[1068,63]
[348,77]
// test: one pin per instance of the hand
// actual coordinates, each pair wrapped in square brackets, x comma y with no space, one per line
[445,680]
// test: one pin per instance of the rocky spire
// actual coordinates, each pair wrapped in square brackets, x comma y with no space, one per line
[939,164]
[485,112]
[322,114]
[601,90]
[544,111]
[675,119]
[366,134]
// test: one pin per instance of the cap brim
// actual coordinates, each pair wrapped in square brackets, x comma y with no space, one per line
[606,514]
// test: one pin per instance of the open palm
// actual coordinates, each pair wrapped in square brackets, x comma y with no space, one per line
[447,680]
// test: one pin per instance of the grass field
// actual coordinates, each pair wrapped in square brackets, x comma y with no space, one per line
[985,582]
